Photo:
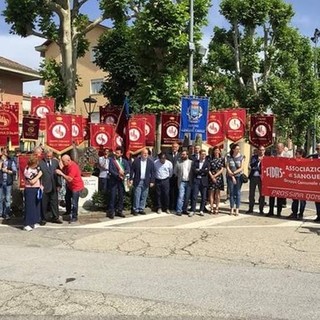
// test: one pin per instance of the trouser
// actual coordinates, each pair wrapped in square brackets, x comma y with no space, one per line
[198,186]
[280,202]
[140,196]
[173,192]
[253,184]
[31,207]
[72,202]
[50,199]
[183,197]
[295,206]
[116,196]
[162,193]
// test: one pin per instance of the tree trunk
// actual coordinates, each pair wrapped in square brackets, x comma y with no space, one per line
[158,133]
[68,57]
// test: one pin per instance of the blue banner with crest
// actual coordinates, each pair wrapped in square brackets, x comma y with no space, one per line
[194,116]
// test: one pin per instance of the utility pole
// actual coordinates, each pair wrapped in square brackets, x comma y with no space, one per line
[191,50]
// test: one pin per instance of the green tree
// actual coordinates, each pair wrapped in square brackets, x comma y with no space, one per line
[59,21]
[261,62]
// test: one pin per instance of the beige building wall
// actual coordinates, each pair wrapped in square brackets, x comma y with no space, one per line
[89,74]
[11,88]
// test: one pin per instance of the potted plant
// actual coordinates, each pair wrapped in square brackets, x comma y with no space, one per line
[87,170]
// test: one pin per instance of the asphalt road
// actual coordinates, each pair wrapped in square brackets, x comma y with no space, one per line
[162,267]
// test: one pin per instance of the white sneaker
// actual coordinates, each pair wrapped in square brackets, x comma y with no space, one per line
[159,211]
[36,225]
[201,213]
[191,214]
[27,228]
[168,211]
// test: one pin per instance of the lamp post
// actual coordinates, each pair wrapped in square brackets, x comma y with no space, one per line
[315,40]
[89,105]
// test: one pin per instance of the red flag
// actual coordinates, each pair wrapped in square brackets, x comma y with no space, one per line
[85,128]
[170,124]
[215,128]
[136,139]
[101,135]
[59,132]
[9,124]
[235,120]
[261,130]
[77,129]
[22,160]
[150,127]
[40,107]
[109,114]
[30,127]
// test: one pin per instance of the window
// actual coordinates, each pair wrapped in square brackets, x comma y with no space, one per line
[96,85]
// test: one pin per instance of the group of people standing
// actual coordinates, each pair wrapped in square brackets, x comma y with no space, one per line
[42,177]
[178,177]
[297,206]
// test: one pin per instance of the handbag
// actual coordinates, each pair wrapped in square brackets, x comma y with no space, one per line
[244,178]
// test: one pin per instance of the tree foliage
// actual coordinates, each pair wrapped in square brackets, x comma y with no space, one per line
[154,55]
[59,21]
[262,63]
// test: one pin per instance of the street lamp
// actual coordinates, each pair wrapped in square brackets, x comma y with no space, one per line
[315,40]
[89,105]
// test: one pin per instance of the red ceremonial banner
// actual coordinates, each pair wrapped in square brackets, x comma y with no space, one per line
[261,129]
[59,132]
[170,124]
[150,128]
[30,127]
[109,114]
[85,128]
[77,129]
[235,121]
[22,161]
[291,178]
[215,128]
[9,124]
[136,139]
[101,135]
[40,107]
[117,141]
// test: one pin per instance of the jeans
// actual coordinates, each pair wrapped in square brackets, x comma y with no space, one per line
[183,196]
[72,200]
[5,199]
[140,196]
[235,192]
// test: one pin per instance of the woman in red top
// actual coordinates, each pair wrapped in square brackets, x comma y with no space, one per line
[71,172]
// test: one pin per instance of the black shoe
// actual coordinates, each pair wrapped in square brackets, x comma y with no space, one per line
[74,219]
[42,222]
[135,213]
[293,216]
[270,214]
[56,220]
[110,215]
[121,215]
[142,212]
[300,217]
[249,212]
[6,217]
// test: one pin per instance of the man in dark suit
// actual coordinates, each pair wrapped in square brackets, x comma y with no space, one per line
[200,170]
[141,177]
[119,171]
[51,184]
[173,156]
[316,156]
[196,154]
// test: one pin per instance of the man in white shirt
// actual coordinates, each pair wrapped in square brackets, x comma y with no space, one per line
[184,176]
[104,170]
[163,172]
